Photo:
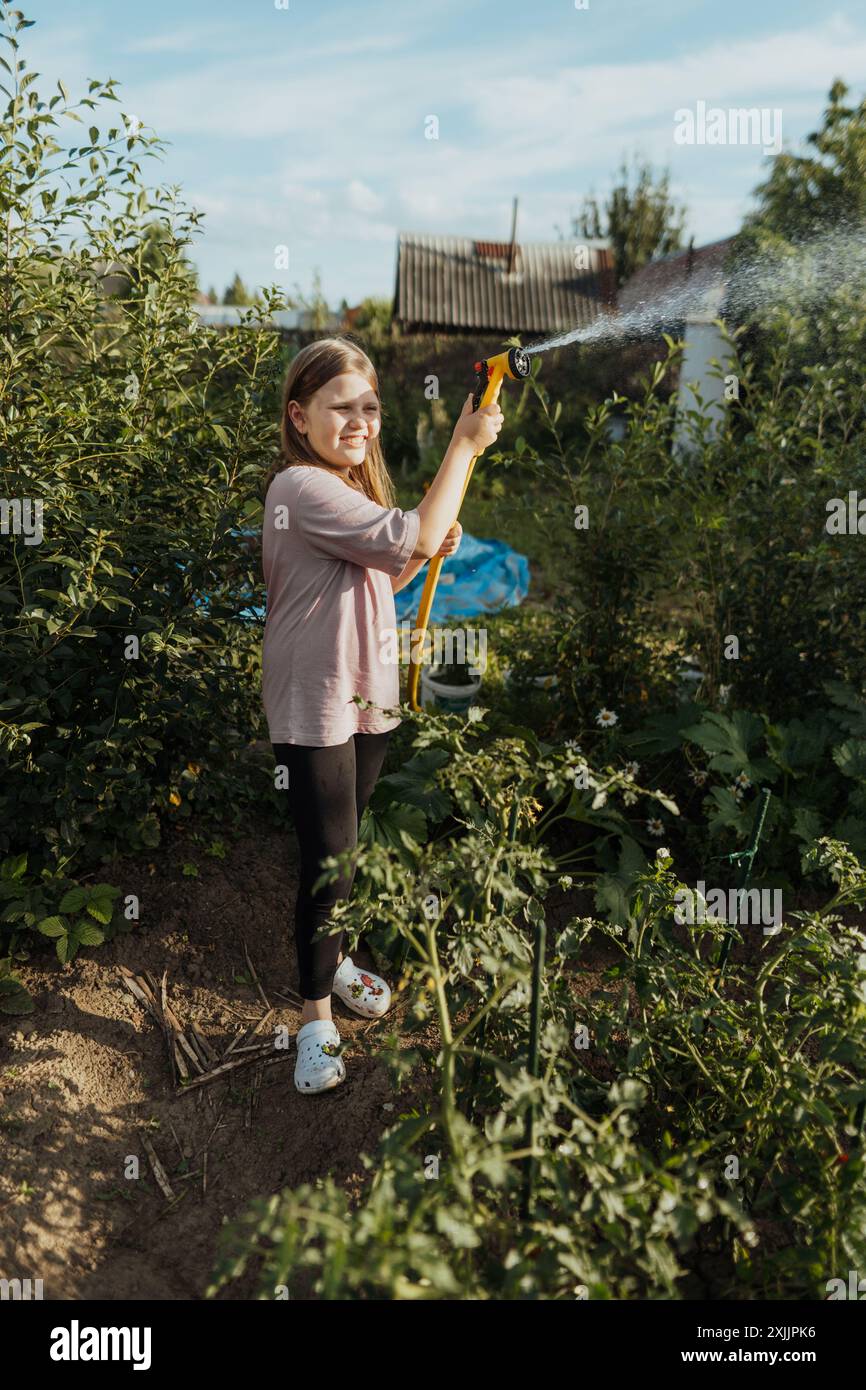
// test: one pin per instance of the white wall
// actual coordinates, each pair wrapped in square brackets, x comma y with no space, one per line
[704,342]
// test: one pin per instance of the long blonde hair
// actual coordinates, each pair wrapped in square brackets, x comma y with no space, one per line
[308,371]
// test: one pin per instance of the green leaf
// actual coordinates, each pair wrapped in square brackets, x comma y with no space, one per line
[806,824]
[459,1231]
[850,758]
[727,811]
[14,998]
[14,868]
[72,901]
[387,827]
[413,785]
[149,830]
[663,733]
[89,935]
[52,926]
[102,909]
[614,891]
[729,741]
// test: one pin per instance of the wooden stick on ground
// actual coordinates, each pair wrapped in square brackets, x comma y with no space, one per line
[240,1039]
[291,996]
[252,970]
[263,1055]
[158,1171]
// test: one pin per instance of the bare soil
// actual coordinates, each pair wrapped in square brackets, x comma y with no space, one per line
[85,1075]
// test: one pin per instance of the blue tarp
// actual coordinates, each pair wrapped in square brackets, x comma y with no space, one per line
[483,577]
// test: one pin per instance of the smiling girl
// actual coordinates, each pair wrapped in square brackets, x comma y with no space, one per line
[335,550]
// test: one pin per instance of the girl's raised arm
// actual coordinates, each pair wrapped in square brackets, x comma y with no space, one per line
[438,508]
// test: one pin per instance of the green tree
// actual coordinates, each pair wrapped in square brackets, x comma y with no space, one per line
[374,320]
[316,305]
[798,266]
[237,293]
[825,186]
[639,218]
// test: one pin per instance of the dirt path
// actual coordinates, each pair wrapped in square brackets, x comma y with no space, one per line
[82,1076]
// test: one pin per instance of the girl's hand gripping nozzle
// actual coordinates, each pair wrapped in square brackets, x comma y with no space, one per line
[489,375]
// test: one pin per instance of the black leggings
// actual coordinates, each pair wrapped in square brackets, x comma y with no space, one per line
[328,790]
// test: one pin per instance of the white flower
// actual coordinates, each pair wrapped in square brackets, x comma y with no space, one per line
[663,852]
[724,692]
[632,769]
[573,746]
[654,826]
[474,714]
[742,781]
[606,719]
[629,798]
[699,778]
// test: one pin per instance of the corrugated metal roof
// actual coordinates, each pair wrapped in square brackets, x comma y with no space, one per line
[454,283]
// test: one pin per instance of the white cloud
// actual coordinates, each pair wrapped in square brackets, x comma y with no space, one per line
[331,130]
[362,198]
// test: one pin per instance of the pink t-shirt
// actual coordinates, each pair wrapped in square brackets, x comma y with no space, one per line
[327,554]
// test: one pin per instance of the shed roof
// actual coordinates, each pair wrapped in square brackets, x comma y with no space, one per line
[685,283]
[457,284]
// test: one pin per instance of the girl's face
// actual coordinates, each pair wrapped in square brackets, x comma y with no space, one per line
[340,420]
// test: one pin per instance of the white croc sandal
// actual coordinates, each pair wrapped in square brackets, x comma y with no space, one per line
[362,992]
[318,1067]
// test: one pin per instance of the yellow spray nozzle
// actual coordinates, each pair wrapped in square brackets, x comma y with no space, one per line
[491,370]
[490,373]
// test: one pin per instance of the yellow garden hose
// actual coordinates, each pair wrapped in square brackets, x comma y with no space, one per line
[490,374]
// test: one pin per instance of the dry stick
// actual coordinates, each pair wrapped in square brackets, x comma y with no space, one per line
[254,1098]
[252,970]
[158,1171]
[239,1039]
[196,1046]
[291,996]
[143,988]
[195,1043]
[247,1018]
[176,1140]
[180,1038]
[261,1056]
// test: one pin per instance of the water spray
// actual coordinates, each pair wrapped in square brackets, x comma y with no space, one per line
[814,268]
[489,376]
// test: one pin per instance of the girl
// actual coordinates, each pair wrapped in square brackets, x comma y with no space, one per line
[335,550]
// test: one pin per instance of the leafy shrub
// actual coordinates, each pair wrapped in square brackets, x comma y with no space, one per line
[142,435]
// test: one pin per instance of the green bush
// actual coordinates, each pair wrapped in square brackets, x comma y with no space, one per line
[131,685]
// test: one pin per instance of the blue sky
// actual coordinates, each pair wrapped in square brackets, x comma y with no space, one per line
[305,126]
